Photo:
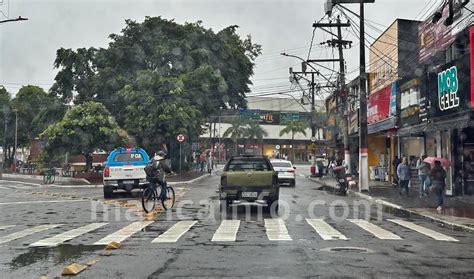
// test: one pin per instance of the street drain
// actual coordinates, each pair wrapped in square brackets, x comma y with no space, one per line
[347,249]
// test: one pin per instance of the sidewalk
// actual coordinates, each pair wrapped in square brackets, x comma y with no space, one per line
[457,212]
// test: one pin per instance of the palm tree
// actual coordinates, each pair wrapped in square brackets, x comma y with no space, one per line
[255,131]
[294,127]
[236,131]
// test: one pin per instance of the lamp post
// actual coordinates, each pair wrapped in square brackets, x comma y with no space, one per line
[16,140]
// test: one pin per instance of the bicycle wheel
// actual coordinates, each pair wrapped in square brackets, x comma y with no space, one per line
[148,199]
[45,178]
[52,178]
[168,202]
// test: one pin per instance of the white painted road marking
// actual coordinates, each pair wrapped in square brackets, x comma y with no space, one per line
[6,227]
[23,233]
[123,233]
[175,232]
[63,237]
[326,231]
[276,230]
[423,230]
[52,201]
[375,230]
[227,231]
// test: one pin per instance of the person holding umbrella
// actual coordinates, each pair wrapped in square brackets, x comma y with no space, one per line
[438,179]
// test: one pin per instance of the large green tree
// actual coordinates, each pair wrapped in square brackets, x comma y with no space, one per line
[159,78]
[84,129]
[35,110]
[294,127]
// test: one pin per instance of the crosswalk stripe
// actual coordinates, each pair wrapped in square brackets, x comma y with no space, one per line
[276,230]
[63,237]
[423,230]
[326,231]
[227,231]
[6,227]
[23,233]
[375,230]
[175,232]
[123,233]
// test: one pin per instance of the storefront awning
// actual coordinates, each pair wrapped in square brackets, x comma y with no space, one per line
[460,122]
[412,130]
[383,125]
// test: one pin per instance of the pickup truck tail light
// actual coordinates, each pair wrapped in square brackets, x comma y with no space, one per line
[224,181]
[106,172]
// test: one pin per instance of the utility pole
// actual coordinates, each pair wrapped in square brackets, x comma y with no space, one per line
[363,131]
[312,90]
[342,94]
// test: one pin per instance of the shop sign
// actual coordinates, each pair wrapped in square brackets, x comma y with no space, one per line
[410,103]
[434,37]
[354,123]
[448,89]
[379,105]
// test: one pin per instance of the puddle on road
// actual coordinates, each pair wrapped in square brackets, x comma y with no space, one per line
[57,255]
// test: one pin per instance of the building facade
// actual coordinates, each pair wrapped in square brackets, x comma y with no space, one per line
[272,114]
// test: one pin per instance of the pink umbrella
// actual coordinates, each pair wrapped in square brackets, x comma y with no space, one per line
[444,162]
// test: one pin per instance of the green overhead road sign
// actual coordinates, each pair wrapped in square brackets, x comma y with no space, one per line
[249,114]
[286,117]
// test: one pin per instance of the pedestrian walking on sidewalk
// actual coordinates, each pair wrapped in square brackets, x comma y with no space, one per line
[438,179]
[423,174]
[395,163]
[403,173]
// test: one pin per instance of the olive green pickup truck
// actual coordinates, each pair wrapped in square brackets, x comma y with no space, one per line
[249,178]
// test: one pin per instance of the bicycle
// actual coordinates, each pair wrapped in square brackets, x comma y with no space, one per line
[150,196]
[66,170]
[341,179]
[49,176]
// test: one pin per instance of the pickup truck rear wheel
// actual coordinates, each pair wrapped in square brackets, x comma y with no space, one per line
[108,192]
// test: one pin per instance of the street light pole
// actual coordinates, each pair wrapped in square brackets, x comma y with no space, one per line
[16,138]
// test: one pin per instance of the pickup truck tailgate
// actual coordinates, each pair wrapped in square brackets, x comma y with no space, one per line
[127,172]
[250,178]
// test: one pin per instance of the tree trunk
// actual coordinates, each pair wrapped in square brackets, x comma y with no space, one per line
[236,144]
[88,161]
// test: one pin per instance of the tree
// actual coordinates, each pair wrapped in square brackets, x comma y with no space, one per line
[255,131]
[5,123]
[159,78]
[236,131]
[35,111]
[84,129]
[294,127]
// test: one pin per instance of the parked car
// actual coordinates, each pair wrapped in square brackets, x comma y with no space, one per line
[249,178]
[124,169]
[286,171]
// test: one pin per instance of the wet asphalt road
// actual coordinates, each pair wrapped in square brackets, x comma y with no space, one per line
[303,253]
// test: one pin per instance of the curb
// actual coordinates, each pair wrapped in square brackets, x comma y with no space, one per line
[59,179]
[390,205]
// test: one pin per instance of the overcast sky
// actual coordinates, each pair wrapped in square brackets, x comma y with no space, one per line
[27,48]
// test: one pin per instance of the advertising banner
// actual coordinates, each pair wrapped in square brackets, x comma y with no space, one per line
[410,97]
[379,105]
[434,37]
